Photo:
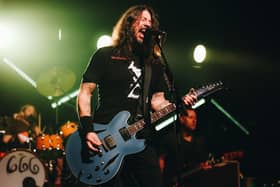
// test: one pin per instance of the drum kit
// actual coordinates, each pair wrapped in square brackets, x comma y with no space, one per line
[35,165]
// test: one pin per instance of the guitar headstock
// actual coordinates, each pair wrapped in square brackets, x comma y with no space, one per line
[208,89]
[233,155]
[227,156]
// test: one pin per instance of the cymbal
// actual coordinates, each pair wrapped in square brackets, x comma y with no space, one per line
[55,82]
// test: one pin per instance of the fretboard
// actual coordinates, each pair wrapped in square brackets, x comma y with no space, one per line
[139,125]
[200,93]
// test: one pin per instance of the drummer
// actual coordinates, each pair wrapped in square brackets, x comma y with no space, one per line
[22,127]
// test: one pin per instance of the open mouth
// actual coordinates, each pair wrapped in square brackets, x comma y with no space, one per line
[142,30]
[142,33]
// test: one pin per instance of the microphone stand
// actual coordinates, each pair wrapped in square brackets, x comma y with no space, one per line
[169,78]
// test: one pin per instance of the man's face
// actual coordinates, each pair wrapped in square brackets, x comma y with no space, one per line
[141,24]
[189,121]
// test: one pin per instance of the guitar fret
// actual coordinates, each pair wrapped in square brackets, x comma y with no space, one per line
[134,128]
[131,129]
[154,117]
[163,112]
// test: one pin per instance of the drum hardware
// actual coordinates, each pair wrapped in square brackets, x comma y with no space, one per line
[49,147]
[68,128]
[55,82]
[27,140]
[50,164]
[49,142]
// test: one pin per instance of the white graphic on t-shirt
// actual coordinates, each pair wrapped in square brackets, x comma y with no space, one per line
[136,73]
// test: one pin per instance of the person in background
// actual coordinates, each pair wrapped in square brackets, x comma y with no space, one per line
[22,127]
[191,151]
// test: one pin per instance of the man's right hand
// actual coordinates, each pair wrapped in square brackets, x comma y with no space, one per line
[93,142]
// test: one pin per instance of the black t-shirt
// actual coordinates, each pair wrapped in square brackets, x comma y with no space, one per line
[193,153]
[185,155]
[116,75]
[14,127]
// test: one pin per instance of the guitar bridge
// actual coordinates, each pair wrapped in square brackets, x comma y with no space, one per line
[110,142]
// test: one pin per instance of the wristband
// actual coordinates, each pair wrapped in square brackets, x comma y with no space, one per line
[86,124]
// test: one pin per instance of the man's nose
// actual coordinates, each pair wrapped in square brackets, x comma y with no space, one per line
[147,24]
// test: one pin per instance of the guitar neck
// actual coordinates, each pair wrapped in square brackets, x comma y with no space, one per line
[139,125]
[200,93]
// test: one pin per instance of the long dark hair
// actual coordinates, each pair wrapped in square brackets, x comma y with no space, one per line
[24,107]
[122,35]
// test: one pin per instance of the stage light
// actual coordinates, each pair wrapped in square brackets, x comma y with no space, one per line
[166,122]
[219,107]
[20,72]
[7,36]
[104,41]
[198,103]
[65,99]
[54,105]
[59,34]
[199,54]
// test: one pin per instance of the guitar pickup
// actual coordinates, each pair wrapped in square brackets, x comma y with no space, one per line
[125,134]
[110,142]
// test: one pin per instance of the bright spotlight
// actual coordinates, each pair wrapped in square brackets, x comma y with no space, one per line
[65,98]
[59,34]
[20,72]
[198,103]
[7,36]
[199,53]
[104,41]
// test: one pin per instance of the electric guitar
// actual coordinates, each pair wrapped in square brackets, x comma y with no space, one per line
[118,140]
[212,163]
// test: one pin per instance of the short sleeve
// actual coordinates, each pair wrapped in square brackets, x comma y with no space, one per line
[95,68]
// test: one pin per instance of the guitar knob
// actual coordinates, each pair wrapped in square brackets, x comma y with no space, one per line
[102,163]
[97,168]
[99,154]
[89,176]
[98,180]
[106,172]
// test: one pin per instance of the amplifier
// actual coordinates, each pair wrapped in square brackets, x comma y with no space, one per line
[224,174]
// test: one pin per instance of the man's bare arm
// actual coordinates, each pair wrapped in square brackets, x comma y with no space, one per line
[159,101]
[85,113]
[84,99]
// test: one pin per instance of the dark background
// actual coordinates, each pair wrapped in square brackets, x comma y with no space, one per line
[242,42]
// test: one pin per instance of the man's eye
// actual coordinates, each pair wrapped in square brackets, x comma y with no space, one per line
[143,19]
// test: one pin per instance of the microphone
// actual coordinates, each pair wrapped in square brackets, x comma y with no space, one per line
[153,32]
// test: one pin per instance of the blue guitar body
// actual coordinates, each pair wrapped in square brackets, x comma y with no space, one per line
[118,140]
[102,167]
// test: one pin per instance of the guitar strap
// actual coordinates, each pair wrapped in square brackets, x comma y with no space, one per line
[146,99]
